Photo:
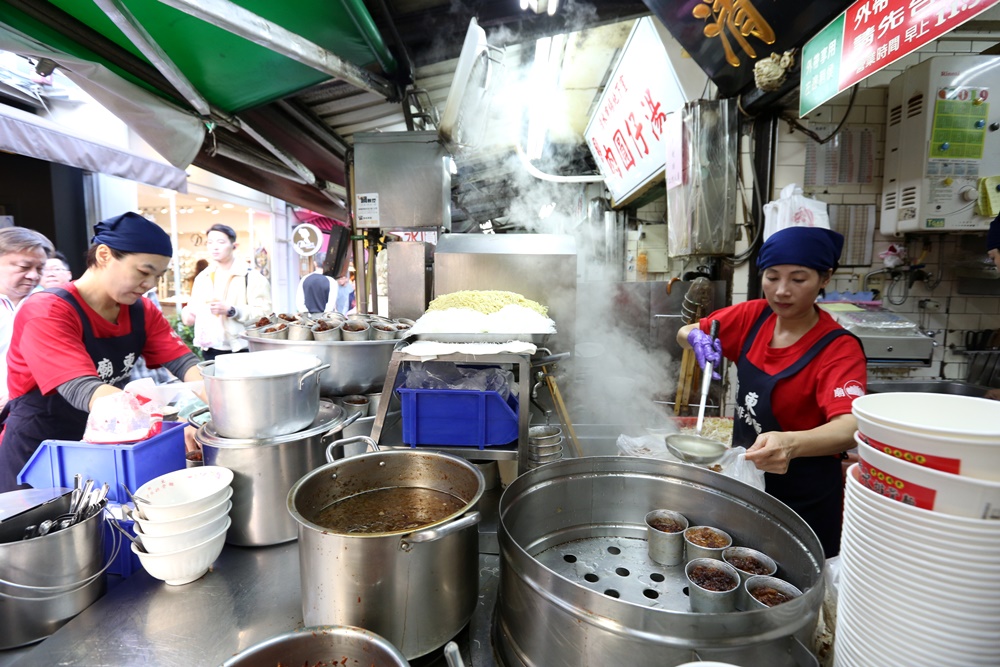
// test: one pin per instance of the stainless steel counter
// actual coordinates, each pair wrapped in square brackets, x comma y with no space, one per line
[250,594]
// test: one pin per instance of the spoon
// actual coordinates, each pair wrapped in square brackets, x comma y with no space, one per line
[135,501]
[135,540]
[697,448]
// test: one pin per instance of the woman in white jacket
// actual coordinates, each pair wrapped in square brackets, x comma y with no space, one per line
[225,298]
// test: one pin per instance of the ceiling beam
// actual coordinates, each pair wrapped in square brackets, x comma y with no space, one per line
[252,27]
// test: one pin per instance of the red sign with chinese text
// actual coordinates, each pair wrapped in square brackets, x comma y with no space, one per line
[879,32]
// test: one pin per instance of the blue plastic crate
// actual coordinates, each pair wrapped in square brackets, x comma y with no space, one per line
[457,417]
[55,462]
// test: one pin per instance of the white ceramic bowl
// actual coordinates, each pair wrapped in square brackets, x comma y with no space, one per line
[944,415]
[164,528]
[184,492]
[960,456]
[930,489]
[161,544]
[920,519]
[185,565]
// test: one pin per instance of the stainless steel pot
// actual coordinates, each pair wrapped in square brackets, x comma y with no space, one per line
[573,552]
[417,589]
[317,646]
[356,367]
[45,581]
[262,407]
[264,470]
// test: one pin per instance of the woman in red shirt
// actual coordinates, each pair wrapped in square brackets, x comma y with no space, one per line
[76,343]
[798,372]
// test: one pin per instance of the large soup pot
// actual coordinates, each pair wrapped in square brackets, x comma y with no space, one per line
[256,406]
[417,588]
[265,469]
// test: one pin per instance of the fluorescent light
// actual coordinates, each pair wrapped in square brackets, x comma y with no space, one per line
[227,205]
[201,199]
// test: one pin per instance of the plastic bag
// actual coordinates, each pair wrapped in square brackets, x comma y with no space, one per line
[732,464]
[793,209]
[209,329]
[446,375]
[122,417]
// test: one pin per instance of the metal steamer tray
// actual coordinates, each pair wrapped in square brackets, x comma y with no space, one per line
[573,551]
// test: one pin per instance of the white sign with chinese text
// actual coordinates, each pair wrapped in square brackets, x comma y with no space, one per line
[626,134]
[366,210]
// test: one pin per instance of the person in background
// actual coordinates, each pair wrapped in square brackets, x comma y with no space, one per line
[23,255]
[225,298]
[798,372]
[345,293]
[76,344]
[317,292]
[993,251]
[56,272]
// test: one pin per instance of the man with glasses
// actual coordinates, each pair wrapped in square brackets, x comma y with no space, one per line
[56,272]
[23,255]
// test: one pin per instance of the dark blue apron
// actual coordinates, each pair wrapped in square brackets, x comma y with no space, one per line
[813,485]
[32,418]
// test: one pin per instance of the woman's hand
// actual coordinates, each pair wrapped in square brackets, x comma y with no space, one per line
[772,451]
[218,308]
[993,394]
[190,444]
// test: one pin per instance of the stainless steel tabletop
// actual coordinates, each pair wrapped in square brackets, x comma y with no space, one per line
[250,594]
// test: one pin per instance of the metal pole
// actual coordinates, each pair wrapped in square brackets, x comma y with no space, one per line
[360,292]
[175,242]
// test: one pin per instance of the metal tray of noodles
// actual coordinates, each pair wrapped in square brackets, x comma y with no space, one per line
[526,337]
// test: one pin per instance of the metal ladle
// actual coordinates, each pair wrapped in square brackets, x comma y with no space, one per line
[697,448]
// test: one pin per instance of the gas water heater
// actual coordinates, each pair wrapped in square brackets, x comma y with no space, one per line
[942,147]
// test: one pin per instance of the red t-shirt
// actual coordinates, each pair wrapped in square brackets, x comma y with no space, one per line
[47,346]
[825,388]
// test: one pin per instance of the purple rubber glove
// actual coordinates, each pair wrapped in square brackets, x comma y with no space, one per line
[706,350]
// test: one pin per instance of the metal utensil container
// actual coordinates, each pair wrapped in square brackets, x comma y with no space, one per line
[263,407]
[356,367]
[45,581]
[263,472]
[573,552]
[318,645]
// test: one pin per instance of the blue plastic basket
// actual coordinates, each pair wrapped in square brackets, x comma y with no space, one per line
[55,462]
[457,417]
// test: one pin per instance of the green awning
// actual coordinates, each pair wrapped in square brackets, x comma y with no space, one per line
[231,72]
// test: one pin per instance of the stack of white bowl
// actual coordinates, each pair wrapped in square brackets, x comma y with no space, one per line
[185,524]
[920,550]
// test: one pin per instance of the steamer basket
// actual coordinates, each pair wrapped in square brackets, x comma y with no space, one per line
[573,551]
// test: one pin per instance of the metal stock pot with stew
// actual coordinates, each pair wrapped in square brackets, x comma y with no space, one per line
[389,541]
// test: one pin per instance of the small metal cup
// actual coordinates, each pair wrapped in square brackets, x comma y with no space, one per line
[354,403]
[698,551]
[299,332]
[544,435]
[254,332]
[355,330]
[732,554]
[281,334]
[383,330]
[757,583]
[193,462]
[402,330]
[405,320]
[666,547]
[327,334]
[704,600]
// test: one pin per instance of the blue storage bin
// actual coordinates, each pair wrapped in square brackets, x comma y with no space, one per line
[55,462]
[457,417]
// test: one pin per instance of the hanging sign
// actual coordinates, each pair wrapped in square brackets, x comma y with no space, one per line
[870,35]
[626,134]
[366,210]
[307,239]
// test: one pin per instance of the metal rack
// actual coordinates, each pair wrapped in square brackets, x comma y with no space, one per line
[517,451]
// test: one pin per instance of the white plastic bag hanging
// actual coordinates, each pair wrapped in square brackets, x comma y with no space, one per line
[793,209]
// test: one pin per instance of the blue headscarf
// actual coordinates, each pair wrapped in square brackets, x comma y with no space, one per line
[993,236]
[804,246]
[130,232]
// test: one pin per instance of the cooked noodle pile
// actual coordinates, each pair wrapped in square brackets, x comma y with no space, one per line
[484,301]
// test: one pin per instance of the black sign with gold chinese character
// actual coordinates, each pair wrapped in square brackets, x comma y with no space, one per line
[726,37]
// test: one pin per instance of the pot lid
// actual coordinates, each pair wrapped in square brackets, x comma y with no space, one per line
[329,417]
